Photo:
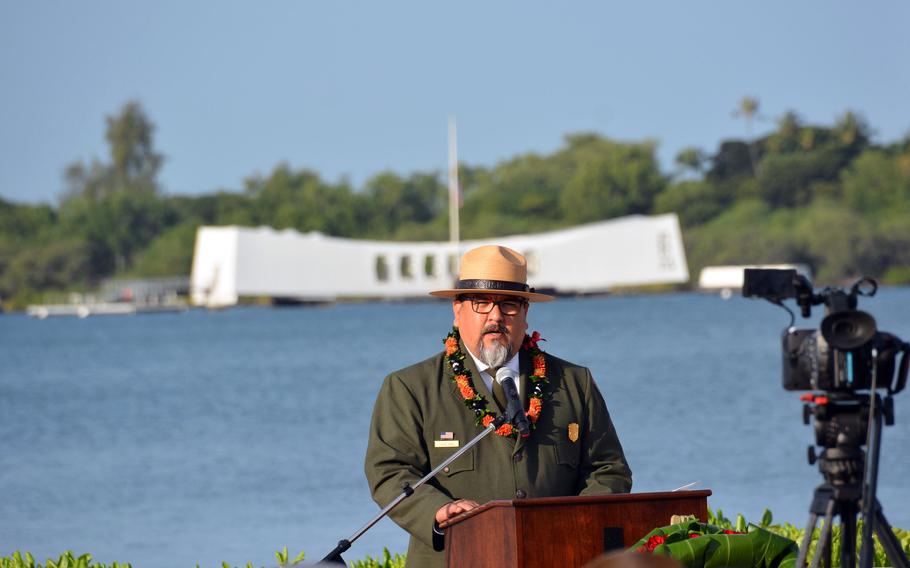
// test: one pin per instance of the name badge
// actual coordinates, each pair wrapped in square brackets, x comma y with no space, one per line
[445,443]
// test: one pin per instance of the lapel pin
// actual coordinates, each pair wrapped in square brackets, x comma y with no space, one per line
[573,431]
[446,440]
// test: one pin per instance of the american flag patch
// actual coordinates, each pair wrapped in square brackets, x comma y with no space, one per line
[447,436]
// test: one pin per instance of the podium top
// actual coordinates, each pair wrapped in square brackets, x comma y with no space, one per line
[578,500]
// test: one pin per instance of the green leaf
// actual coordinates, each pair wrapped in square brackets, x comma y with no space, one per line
[720,520]
[772,549]
[714,549]
[689,552]
[766,518]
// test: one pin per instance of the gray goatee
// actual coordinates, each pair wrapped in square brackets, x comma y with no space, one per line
[495,355]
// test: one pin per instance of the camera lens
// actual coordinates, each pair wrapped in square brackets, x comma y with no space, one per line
[844,328]
[848,330]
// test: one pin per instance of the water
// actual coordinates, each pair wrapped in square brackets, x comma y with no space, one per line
[172,440]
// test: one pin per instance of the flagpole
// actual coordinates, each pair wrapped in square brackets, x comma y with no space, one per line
[454,193]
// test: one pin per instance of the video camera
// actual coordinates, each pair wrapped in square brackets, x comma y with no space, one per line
[847,353]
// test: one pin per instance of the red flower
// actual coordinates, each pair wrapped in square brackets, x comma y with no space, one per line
[530,342]
[486,420]
[732,532]
[655,541]
[505,429]
[694,535]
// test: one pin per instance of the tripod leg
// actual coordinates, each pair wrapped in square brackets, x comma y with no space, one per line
[824,538]
[871,506]
[848,536]
[892,546]
[807,538]
[867,547]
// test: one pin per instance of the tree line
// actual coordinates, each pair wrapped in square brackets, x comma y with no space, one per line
[824,195]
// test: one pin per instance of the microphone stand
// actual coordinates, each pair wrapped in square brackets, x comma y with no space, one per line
[334,557]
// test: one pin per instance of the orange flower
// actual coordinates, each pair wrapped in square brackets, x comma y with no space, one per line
[466,391]
[487,419]
[461,379]
[540,366]
[505,429]
[534,409]
[451,345]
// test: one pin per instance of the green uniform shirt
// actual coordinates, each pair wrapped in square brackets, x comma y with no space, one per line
[416,405]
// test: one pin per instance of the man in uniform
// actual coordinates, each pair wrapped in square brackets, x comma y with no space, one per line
[424,412]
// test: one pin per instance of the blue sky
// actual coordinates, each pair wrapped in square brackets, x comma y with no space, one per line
[355,88]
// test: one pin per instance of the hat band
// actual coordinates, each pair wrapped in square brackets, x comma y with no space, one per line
[496,285]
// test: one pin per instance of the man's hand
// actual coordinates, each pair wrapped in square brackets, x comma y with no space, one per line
[454,509]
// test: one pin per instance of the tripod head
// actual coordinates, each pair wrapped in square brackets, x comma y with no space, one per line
[841,423]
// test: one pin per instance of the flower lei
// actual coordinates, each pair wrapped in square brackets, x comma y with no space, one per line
[477,403]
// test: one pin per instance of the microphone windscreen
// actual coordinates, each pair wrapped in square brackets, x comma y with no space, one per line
[504,373]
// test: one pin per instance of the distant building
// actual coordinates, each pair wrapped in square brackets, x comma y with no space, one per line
[730,278]
[233,262]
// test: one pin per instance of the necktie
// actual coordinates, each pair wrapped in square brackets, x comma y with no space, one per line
[499,395]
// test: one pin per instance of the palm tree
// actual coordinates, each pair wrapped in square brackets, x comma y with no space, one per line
[748,109]
[691,158]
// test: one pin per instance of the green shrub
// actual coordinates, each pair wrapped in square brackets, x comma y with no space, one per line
[387,561]
[67,560]
[796,534]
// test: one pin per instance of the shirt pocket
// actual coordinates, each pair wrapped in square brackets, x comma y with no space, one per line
[566,453]
[465,462]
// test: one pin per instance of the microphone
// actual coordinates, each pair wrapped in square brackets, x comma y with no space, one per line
[514,409]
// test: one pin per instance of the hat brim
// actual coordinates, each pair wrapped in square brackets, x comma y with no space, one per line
[529,296]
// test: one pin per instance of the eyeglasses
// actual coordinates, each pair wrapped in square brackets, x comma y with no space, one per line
[485,305]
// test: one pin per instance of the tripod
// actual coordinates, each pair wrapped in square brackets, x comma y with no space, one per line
[851,478]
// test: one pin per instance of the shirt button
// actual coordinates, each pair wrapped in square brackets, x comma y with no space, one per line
[446,469]
[520,494]
[517,457]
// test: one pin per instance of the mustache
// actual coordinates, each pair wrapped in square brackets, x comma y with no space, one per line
[495,328]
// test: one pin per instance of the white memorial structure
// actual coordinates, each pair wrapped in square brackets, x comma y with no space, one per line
[233,262]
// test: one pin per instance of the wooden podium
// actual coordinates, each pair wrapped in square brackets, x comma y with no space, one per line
[561,531]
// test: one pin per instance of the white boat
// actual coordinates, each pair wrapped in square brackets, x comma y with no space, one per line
[729,278]
[44,311]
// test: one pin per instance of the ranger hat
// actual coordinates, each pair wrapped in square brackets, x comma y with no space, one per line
[493,269]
